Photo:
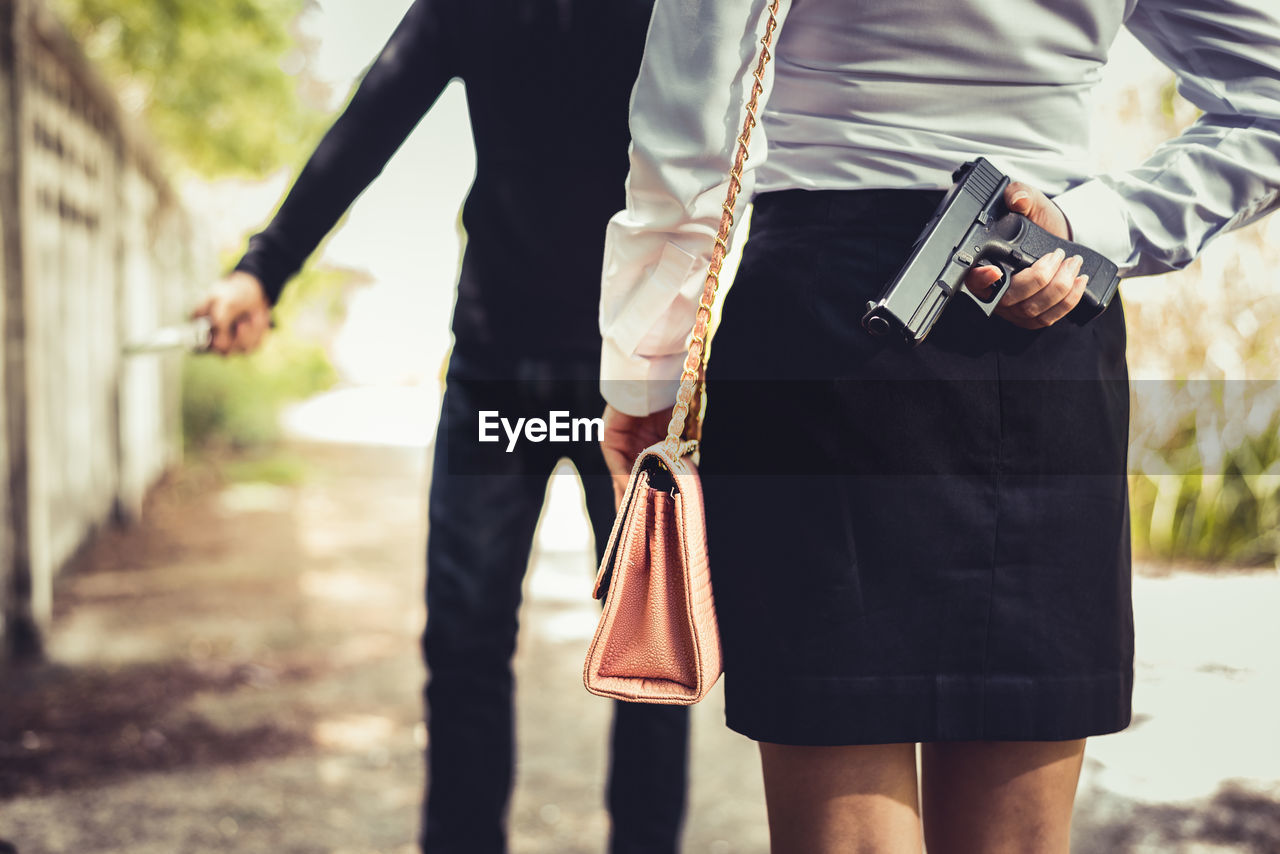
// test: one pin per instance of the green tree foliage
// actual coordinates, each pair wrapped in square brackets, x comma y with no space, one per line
[207,77]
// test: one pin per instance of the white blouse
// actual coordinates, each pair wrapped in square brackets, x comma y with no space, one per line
[897,94]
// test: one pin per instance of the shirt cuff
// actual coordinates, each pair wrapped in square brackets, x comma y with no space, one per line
[1096,214]
[637,385]
[270,264]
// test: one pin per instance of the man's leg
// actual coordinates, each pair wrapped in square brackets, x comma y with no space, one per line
[482,513]
[649,752]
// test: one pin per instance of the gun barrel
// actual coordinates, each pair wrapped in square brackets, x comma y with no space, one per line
[913,301]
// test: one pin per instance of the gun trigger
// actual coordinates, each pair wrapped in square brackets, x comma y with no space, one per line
[1001,285]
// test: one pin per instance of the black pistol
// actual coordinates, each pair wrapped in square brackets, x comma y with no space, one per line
[971,227]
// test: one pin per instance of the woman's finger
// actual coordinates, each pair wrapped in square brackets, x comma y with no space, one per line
[1029,282]
[1054,313]
[1055,290]
[617,474]
[619,460]
[982,280]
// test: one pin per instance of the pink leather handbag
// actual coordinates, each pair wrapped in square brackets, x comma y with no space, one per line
[657,641]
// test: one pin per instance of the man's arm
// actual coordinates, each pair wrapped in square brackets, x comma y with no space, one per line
[401,85]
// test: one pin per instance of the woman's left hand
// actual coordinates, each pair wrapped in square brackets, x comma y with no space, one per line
[1043,293]
[624,437]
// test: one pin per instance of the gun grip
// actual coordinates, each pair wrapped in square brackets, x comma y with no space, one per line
[1033,242]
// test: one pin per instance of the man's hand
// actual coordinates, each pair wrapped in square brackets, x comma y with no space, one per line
[238,313]
[624,437]
[1043,293]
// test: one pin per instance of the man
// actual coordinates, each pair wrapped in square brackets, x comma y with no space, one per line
[547,87]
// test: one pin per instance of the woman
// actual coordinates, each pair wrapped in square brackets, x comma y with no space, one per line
[916,545]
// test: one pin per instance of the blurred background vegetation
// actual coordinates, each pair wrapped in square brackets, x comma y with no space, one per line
[1204,354]
[224,90]
[221,86]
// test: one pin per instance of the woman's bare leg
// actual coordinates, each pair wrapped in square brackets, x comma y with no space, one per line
[842,800]
[1012,797]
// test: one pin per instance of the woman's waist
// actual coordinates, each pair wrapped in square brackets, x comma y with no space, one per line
[858,149]
[892,213]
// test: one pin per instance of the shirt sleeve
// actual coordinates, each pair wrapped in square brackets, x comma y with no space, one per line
[1224,170]
[400,86]
[687,110]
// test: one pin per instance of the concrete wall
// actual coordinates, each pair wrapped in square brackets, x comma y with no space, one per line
[96,250]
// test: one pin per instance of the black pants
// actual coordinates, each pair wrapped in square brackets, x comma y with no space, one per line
[484,506]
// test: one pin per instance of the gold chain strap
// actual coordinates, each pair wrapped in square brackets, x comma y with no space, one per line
[690,384]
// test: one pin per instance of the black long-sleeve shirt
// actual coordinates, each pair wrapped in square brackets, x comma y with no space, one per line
[548,84]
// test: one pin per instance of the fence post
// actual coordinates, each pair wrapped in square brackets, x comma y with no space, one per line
[6,221]
[21,630]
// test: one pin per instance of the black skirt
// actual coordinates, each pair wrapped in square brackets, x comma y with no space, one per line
[910,543]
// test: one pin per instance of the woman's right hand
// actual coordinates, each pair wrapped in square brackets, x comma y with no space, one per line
[238,312]
[1043,293]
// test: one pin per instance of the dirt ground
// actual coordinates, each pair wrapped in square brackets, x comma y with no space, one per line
[240,672]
